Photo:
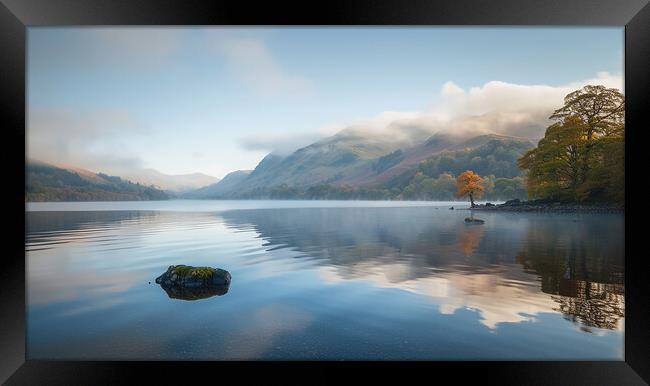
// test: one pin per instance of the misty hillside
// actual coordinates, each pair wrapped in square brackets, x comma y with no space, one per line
[226,185]
[325,161]
[371,167]
[402,161]
[46,182]
[486,155]
[177,183]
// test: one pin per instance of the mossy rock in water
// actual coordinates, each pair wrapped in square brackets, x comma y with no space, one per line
[193,277]
[470,220]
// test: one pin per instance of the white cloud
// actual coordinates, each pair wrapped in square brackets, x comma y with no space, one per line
[497,96]
[98,48]
[451,89]
[281,144]
[135,42]
[93,140]
[496,107]
[381,125]
[252,62]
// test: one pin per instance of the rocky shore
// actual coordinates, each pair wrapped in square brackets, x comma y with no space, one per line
[551,206]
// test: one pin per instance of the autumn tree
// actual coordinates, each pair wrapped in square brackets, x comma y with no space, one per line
[581,156]
[470,184]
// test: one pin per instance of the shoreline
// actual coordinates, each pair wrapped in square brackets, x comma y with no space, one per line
[548,206]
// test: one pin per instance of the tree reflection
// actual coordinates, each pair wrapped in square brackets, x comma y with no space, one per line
[578,263]
[469,237]
[584,276]
[592,304]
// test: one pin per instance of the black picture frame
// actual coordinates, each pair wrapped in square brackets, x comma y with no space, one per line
[17,15]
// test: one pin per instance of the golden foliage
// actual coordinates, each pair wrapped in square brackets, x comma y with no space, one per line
[470,184]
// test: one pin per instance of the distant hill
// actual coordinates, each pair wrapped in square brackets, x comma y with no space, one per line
[177,183]
[326,161]
[174,184]
[218,189]
[46,182]
[363,166]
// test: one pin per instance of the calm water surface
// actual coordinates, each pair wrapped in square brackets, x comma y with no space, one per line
[323,280]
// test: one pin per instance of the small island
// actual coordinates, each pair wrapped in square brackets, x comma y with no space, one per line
[193,283]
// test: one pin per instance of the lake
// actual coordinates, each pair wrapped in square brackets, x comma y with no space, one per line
[326,280]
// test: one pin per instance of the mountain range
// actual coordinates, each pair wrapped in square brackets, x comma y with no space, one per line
[347,165]
[356,162]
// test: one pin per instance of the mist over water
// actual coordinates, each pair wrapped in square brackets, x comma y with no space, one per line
[323,280]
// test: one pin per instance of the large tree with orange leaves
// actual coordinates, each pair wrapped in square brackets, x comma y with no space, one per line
[470,184]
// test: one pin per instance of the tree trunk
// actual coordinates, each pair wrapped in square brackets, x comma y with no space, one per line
[471,199]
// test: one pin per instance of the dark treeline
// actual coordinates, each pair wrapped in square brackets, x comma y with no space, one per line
[435,178]
[49,183]
[420,188]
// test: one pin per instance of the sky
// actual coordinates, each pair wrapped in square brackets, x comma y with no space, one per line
[215,100]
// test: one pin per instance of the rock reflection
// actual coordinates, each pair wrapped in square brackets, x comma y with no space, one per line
[184,293]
